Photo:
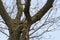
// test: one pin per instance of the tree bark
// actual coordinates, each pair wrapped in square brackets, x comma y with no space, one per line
[19,31]
[14,36]
[25,33]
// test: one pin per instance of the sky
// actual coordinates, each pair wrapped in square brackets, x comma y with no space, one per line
[54,35]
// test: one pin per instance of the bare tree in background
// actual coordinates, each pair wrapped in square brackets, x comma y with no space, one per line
[19,30]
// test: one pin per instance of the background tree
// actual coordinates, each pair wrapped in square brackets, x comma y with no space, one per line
[19,28]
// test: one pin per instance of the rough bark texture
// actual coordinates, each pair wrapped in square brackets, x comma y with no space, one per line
[14,36]
[25,32]
[17,33]
[20,30]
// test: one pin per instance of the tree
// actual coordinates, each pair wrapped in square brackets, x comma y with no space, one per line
[19,30]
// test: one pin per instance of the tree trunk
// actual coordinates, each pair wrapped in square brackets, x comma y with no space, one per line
[14,36]
[17,34]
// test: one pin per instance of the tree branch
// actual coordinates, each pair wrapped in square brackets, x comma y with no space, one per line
[20,9]
[4,14]
[4,33]
[39,35]
[41,13]
[44,31]
[26,11]
[4,28]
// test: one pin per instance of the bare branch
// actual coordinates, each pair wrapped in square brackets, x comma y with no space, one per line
[4,14]
[26,10]
[36,30]
[43,23]
[4,33]
[43,32]
[39,35]
[3,28]
[41,13]
[20,9]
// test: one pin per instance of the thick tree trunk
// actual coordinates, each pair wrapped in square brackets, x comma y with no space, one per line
[17,34]
[14,36]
